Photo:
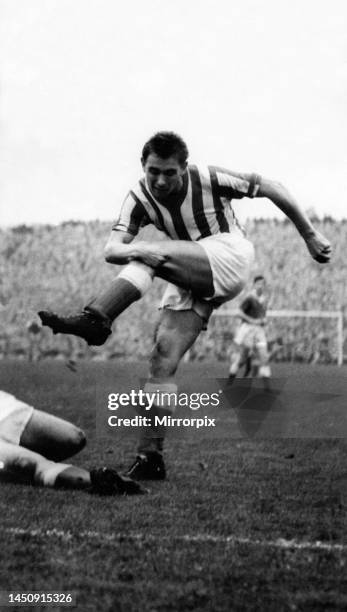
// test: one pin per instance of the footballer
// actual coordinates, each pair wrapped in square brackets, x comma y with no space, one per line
[34,446]
[250,338]
[206,260]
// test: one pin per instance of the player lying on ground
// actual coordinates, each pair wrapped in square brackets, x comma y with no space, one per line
[250,337]
[33,445]
[207,260]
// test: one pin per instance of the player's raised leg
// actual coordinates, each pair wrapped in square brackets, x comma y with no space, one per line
[176,333]
[181,262]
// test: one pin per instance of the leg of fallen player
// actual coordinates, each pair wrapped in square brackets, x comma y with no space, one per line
[25,466]
[33,445]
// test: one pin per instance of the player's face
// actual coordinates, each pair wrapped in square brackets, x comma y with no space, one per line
[259,286]
[164,176]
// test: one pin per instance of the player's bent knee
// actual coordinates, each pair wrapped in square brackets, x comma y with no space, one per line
[77,440]
[72,442]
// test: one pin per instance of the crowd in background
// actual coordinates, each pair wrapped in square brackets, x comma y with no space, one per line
[61,268]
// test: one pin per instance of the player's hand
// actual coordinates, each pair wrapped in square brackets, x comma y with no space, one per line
[144,252]
[319,247]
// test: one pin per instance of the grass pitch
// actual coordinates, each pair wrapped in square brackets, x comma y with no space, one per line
[241,523]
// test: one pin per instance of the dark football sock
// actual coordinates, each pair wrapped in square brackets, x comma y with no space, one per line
[266,383]
[152,437]
[114,300]
[231,379]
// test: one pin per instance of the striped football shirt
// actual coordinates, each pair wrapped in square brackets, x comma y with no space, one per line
[203,210]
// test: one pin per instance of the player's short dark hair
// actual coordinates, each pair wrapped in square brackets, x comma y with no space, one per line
[166,144]
[259,277]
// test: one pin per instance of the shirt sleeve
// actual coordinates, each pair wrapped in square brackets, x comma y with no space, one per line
[235,184]
[132,216]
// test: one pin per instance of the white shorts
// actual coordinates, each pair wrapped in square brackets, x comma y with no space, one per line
[250,336]
[14,416]
[231,258]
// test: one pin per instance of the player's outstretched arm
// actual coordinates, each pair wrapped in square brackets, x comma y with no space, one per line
[318,246]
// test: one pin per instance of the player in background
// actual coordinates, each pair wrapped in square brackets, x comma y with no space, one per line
[206,259]
[34,330]
[34,446]
[250,339]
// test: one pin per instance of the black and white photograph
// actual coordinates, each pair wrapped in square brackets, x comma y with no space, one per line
[173,305]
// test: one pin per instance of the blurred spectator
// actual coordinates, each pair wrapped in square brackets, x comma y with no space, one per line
[61,267]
